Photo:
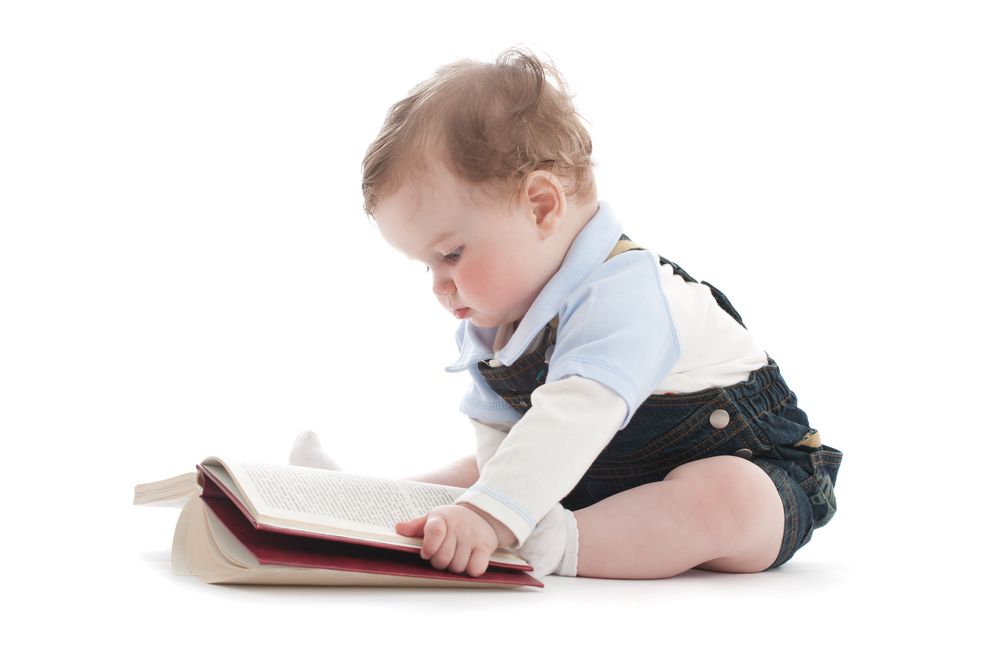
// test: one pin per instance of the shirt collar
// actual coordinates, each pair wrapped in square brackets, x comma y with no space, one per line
[587,252]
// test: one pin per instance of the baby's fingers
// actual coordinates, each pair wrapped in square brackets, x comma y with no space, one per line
[412,527]
[435,531]
[479,561]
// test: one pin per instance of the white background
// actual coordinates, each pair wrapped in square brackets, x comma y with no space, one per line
[186,270]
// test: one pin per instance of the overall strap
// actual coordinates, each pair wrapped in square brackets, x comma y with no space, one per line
[625,244]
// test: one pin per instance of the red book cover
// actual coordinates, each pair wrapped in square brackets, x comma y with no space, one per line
[276,546]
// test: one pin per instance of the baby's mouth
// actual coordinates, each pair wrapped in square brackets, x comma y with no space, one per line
[460,313]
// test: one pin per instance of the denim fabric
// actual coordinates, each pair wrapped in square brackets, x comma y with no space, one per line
[758,419]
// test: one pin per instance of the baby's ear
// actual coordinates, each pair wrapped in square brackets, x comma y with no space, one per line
[548,202]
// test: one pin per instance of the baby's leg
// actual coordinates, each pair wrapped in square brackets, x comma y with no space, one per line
[721,513]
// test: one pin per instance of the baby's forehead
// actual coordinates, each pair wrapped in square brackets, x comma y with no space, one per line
[412,220]
[435,183]
[416,196]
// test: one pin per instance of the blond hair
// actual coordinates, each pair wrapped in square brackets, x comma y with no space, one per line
[491,124]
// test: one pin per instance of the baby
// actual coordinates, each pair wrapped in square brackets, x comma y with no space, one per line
[628,425]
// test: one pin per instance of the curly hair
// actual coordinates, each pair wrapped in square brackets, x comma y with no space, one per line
[491,124]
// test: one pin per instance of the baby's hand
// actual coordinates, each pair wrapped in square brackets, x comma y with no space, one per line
[455,537]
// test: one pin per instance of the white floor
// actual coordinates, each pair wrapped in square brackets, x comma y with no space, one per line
[829,605]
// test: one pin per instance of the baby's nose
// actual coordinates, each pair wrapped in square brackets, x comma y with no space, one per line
[443,286]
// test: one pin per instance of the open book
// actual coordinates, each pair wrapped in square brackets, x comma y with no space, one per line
[260,523]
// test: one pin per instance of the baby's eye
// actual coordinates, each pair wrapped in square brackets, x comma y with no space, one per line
[453,256]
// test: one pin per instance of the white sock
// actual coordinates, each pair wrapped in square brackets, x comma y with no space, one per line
[554,544]
[308,452]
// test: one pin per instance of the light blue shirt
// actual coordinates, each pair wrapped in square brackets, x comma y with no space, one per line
[614,325]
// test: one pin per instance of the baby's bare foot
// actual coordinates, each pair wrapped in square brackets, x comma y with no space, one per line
[308,452]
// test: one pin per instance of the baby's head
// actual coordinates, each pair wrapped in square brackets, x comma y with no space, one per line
[483,173]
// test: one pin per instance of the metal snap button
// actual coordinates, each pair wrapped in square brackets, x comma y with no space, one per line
[719,418]
[744,453]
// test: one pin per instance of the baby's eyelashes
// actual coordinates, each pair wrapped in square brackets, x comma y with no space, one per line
[453,256]
[449,258]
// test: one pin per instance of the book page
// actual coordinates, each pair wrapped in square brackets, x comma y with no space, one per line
[334,503]
[343,496]
[171,492]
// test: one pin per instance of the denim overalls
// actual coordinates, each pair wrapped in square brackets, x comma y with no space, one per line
[757,419]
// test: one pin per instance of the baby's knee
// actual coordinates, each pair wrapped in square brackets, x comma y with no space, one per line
[727,495]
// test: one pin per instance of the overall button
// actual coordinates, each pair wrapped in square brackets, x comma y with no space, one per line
[744,453]
[719,418]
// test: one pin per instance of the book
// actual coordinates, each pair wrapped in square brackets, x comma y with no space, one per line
[260,523]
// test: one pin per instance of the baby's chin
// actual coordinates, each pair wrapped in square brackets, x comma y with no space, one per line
[481,320]
[484,321]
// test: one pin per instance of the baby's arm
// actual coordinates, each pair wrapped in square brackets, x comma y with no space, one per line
[546,453]
[462,473]
[441,527]
[542,458]
[465,471]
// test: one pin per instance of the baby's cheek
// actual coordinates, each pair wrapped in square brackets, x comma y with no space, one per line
[506,287]
[484,283]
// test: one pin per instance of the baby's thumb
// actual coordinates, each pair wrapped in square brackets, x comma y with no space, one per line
[412,527]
